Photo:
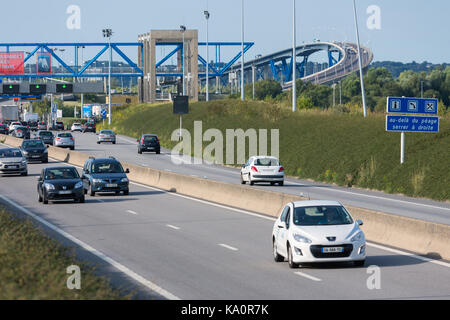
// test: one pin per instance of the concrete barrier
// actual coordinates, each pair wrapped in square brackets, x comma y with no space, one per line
[418,236]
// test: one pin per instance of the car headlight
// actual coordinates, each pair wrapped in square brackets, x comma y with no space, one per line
[301,238]
[79,185]
[49,186]
[24,162]
[357,237]
[25,152]
[97,180]
[124,180]
[46,151]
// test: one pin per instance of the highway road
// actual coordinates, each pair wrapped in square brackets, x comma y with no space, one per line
[126,150]
[197,250]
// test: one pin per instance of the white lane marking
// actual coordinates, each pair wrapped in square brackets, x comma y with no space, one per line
[375,197]
[412,255]
[273,219]
[173,227]
[131,142]
[132,212]
[99,200]
[228,247]
[94,251]
[307,276]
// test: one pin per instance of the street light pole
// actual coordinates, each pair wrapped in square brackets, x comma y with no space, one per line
[242,53]
[207,56]
[107,33]
[294,60]
[360,62]
[183,29]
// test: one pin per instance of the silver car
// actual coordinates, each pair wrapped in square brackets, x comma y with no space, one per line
[12,161]
[64,140]
[106,136]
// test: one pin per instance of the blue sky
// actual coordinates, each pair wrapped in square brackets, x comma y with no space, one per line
[410,29]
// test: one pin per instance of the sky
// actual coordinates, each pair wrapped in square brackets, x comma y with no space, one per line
[404,30]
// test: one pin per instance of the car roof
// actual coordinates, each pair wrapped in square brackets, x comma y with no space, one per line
[149,135]
[60,167]
[104,160]
[311,203]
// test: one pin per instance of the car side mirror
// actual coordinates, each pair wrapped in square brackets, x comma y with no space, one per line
[359,222]
[127,171]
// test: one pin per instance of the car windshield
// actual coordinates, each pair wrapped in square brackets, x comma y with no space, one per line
[77,124]
[321,215]
[107,167]
[65,135]
[149,138]
[2,126]
[11,153]
[32,144]
[106,132]
[45,134]
[21,128]
[61,173]
[266,162]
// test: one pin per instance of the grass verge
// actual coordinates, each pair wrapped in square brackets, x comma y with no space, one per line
[345,149]
[33,266]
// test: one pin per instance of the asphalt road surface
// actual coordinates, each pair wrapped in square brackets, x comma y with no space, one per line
[126,150]
[198,250]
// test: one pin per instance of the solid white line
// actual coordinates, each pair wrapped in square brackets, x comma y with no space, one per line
[228,247]
[273,219]
[307,276]
[132,212]
[173,227]
[94,251]
[375,197]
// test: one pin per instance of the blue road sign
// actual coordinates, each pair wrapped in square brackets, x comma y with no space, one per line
[103,112]
[412,124]
[412,105]
[87,111]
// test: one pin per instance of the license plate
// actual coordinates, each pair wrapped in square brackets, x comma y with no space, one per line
[35,156]
[107,139]
[111,185]
[11,167]
[65,192]
[333,250]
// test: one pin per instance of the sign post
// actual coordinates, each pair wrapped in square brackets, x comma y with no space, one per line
[181,106]
[411,115]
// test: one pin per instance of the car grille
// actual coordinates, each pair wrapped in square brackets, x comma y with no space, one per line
[68,187]
[316,251]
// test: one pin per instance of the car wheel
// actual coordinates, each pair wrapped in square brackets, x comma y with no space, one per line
[45,161]
[281,183]
[139,151]
[44,198]
[292,264]
[158,152]
[114,142]
[84,191]
[126,192]
[24,173]
[72,148]
[250,180]
[272,183]
[39,197]
[117,192]
[98,142]
[91,192]
[276,256]
[359,263]
[81,199]
[242,180]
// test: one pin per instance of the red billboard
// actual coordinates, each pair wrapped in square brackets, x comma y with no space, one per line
[12,63]
[44,63]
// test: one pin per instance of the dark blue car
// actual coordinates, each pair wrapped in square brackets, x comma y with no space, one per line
[104,175]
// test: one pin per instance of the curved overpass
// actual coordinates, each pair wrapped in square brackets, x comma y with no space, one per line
[342,61]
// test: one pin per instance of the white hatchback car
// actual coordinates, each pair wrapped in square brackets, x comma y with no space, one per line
[76,127]
[317,231]
[262,169]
